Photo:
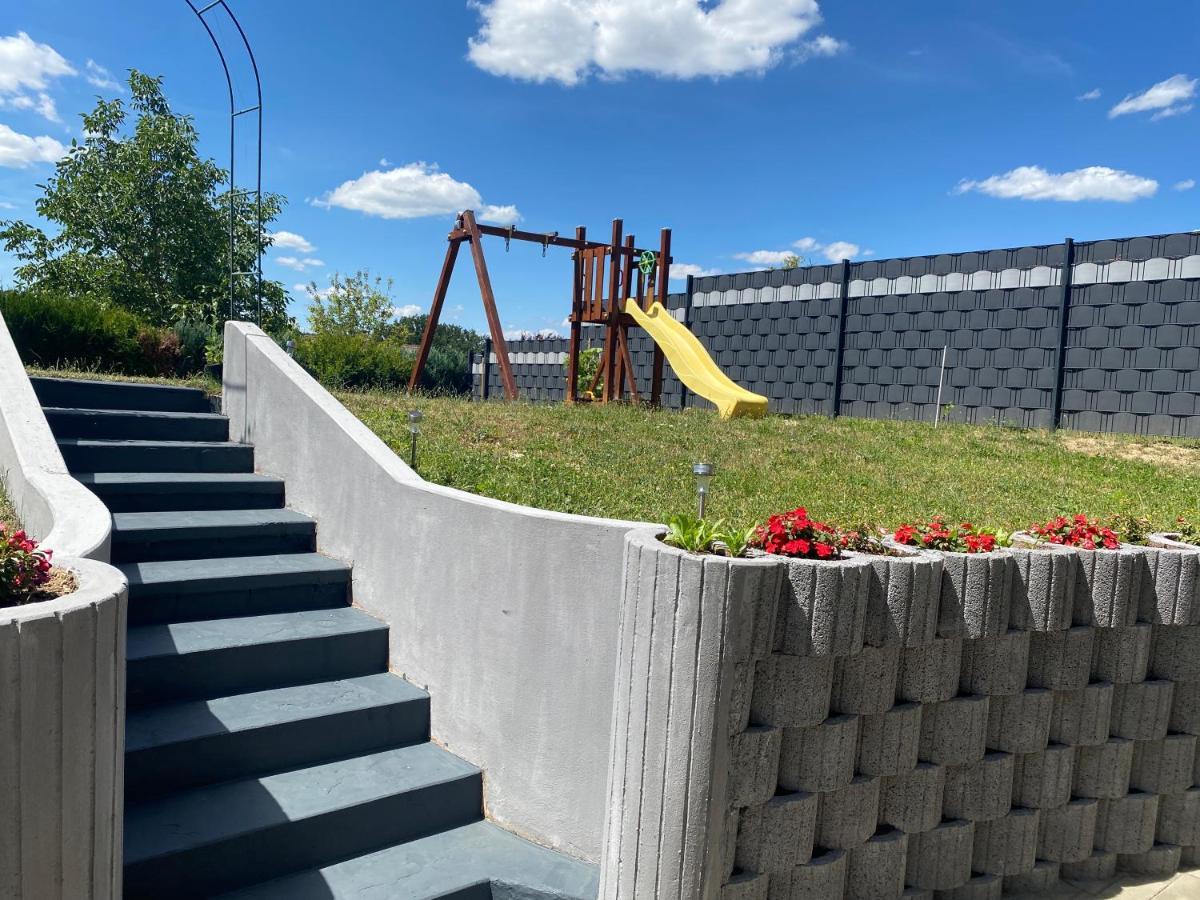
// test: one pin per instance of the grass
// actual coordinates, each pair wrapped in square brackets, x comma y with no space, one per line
[201,380]
[8,515]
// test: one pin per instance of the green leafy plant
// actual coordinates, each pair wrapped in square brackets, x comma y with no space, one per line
[865,539]
[1132,529]
[589,363]
[691,533]
[965,537]
[735,541]
[1189,532]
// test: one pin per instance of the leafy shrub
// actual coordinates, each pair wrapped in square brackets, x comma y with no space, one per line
[446,372]
[24,568]
[961,538]
[354,360]
[1077,531]
[695,535]
[1189,532]
[589,363]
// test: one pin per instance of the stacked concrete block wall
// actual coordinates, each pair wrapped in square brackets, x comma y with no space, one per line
[1130,355]
[945,723]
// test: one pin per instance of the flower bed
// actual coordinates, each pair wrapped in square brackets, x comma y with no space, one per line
[26,572]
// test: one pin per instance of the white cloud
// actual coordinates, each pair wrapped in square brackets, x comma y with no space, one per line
[411,192]
[1186,185]
[1167,97]
[821,45]
[567,40]
[806,249]
[19,151]
[98,76]
[307,289]
[289,240]
[298,263]
[765,257]
[680,271]
[26,70]
[1093,94]
[836,251]
[4,204]
[1091,183]
[409,309]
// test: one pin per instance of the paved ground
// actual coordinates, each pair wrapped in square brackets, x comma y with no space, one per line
[1183,886]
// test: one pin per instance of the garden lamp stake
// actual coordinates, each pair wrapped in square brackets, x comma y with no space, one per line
[414,429]
[704,474]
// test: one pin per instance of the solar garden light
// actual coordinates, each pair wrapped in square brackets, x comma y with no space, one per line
[704,475]
[290,347]
[414,429]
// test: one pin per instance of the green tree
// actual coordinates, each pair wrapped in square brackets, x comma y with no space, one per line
[142,222]
[353,304]
[791,262]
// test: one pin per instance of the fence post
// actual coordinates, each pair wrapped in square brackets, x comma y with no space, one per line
[1064,309]
[835,405]
[487,368]
[687,323]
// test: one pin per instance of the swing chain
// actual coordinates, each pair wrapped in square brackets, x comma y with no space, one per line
[546,239]
[508,237]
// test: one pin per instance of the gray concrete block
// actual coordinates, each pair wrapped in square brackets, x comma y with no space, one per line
[1190,858]
[976,594]
[1102,771]
[902,605]
[823,607]
[823,878]
[1175,652]
[978,887]
[912,893]
[777,836]
[995,665]
[930,674]
[1141,711]
[753,765]
[876,869]
[1067,834]
[1081,718]
[1179,818]
[1043,780]
[819,757]
[1121,655]
[1020,723]
[848,815]
[1042,879]
[888,741]
[1160,862]
[979,791]
[1126,824]
[1108,587]
[1100,866]
[940,859]
[729,839]
[742,687]
[954,733]
[1060,660]
[866,682]
[1043,588]
[1170,593]
[1185,708]
[792,690]
[1008,845]
[1163,766]
[912,801]
[746,886]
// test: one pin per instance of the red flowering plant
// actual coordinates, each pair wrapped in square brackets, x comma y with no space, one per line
[794,534]
[1077,531]
[936,534]
[24,568]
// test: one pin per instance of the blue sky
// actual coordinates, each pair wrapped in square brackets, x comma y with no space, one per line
[751,127]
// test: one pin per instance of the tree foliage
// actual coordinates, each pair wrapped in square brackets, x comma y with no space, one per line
[352,304]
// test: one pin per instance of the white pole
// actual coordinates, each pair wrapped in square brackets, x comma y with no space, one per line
[937,413]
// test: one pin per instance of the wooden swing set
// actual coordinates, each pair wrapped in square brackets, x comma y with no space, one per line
[605,278]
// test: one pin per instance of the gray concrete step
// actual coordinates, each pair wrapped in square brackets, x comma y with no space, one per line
[97,455]
[201,534]
[200,842]
[202,742]
[66,392]
[213,658]
[127,424]
[474,861]
[190,590]
[165,491]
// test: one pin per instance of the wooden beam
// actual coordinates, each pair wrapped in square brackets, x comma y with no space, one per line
[435,312]
[532,237]
[664,277]
[489,306]
[577,291]
[611,314]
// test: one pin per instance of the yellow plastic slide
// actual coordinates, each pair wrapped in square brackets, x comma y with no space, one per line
[694,366]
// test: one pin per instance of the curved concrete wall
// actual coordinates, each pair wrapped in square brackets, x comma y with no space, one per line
[508,615]
[62,743]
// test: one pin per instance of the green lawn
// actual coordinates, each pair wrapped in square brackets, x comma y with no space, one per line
[202,381]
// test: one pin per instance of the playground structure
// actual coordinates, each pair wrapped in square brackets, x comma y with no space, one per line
[615,285]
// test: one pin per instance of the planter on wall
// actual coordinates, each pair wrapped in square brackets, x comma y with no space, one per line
[1044,582]
[1170,590]
[902,599]
[976,592]
[823,605]
[1107,584]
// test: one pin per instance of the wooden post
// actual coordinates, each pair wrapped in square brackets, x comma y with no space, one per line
[572,395]
[664,276]
[435,312]
[614,313]
[489,305]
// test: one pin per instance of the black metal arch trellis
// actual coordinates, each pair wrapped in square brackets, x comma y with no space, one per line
[214,7]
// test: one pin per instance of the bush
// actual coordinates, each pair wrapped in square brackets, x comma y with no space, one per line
[354,360]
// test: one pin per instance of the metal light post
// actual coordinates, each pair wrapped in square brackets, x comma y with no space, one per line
[704,474]
[414,429]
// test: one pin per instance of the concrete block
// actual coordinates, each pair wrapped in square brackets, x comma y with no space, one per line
[1100,866]
[1185,708]
[1141,711]
[1060,660]
[1108,587]
[1043,588]
[1067,834]
[823,878]
[1042,879]
[1163,766]
[746,886]
[978,887]
[1121,655]
[1020,723]
[954,733]
[819,757]
[980,791]
[1190,858]
[940,859]
[729,839]
[1159,862]
[1179,818]
[866,682]
[777,836]
[888,741]
[823,607]
[912,801]
[912,893]
[1043,780]
[1175,652]
[930,674]
[976,594]
[847,816]
[1126,824]
[1102,771]
[876,869]
[1008,845]
[742,679]
[902,604]
[995,665]
[1081,718]
[1170,593]
[791,691]
[753,765]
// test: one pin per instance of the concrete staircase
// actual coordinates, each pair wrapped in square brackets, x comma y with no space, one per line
[269,753]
